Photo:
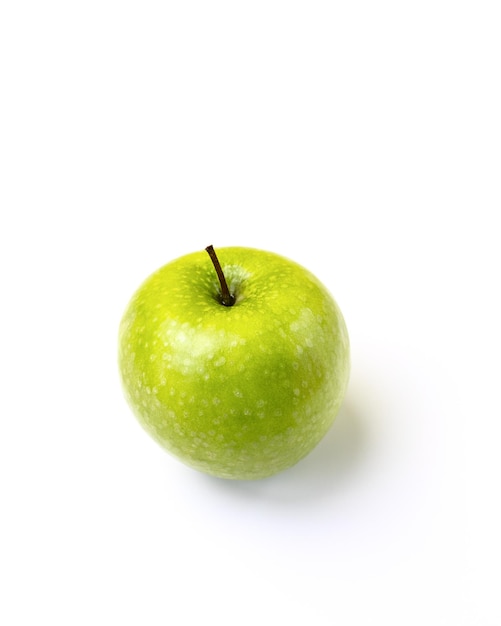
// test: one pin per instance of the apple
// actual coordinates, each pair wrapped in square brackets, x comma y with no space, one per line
[236,363]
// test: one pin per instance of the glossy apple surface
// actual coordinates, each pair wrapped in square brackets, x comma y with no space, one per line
[242,391]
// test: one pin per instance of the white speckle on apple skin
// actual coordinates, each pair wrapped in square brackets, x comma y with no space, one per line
[240,392]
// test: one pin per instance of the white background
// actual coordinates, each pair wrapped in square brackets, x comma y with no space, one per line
[361,139]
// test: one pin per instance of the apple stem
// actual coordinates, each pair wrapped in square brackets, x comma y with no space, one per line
[227,298]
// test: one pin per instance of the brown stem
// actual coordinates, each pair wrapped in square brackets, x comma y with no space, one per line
[227,298]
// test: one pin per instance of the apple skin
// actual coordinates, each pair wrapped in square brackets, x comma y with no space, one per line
[242,391]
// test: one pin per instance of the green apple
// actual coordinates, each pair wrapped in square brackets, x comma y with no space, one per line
[237,368]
